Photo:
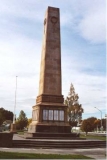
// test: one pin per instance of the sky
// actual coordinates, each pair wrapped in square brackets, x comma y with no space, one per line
[83,52]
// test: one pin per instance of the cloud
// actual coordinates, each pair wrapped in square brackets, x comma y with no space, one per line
[81,67]
[87,18]
[21,29]
[93,27]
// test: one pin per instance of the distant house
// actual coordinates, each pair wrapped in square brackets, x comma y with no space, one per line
[6,125]
[7,122]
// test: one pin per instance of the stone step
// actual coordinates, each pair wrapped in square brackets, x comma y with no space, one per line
[59,138]
[58,144]
[50,135]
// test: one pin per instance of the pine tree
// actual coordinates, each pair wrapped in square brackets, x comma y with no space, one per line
[22,120]
[75,109]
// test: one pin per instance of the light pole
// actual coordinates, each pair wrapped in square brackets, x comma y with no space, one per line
[13,125]
[101,116]
[14,117]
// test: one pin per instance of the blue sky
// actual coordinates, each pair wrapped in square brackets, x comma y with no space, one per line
[83,49]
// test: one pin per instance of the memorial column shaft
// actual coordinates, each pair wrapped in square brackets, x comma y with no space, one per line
[50,71]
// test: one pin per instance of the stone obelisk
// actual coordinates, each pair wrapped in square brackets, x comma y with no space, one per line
[50,114]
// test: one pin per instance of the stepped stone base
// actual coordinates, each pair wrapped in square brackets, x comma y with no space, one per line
[69,143]
[46,135]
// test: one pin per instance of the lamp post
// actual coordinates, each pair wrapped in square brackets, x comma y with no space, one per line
[14,116]
[13,125]
[101,116]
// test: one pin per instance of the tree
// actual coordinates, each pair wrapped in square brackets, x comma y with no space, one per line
[92,121]
[21,121]
[1,119]
[86,126]
[75,109]
[73,123]
[5,115]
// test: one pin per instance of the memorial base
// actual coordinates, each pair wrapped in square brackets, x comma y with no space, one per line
[49,128]
[49,118]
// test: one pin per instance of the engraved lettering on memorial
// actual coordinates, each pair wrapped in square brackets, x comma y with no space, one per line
[50,114]
[56,115]
[45,114]
[61,115]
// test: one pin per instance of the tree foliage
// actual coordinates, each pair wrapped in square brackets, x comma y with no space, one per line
[5,115]
[75,109]
[1,119]
[92,123]
[21,121]
[86,126]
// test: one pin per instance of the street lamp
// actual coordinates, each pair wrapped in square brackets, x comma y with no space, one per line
[14,116]
[13,125]
[101,116]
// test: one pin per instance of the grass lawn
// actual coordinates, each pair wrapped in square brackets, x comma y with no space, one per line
[93,137]
[20,132]
[13,155]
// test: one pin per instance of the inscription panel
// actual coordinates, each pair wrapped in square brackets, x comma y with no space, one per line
[56,115]
[45,114]
[50,114]
[53,115]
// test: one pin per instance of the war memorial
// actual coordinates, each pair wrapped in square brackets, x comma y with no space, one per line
[49,128]
[49,115]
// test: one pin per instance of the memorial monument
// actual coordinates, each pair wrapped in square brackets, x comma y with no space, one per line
[49,115]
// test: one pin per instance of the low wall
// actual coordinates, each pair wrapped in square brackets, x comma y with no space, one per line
[6,139]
